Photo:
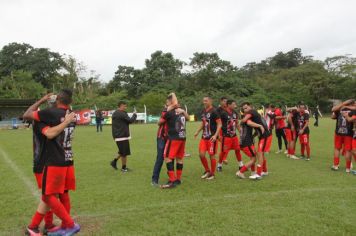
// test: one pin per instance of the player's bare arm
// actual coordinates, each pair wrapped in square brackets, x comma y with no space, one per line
[53,132]
[246,118]
[215,136]
[304,127]
[339,106]
[255,125]
[28,115]
[200,128]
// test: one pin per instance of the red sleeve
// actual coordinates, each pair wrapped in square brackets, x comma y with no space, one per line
[44,130]
[36,117]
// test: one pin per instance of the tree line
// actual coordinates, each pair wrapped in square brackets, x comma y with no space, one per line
[283,79]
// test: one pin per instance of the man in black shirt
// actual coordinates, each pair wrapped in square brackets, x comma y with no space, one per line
[121,134]
[210,125]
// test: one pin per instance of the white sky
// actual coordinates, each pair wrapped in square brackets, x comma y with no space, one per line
[106,33]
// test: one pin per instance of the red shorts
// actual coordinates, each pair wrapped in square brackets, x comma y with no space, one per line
[263,145]
[249,151]
[290,136]
[345,141]
[174,149]
[269,143]
[38,177]
[57,179]
[230,143]
[304,138]
[208,146]
[354,144]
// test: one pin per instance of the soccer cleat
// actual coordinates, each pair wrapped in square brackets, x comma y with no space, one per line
[71,231]
[50,229]
[294,157]
[240,175]
[113,164]
[124,170]
[210,177]
[307,159]
[32,232]
[225,162]
[255,177]
[264,173]
[187,155]
[285,152]
[205,175]
[335,168]
[177,182]
[219,169]
[302,157]
[279,151]
[154,184]
[169,184]
[348,170]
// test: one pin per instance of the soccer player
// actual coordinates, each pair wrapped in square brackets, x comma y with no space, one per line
[351,117]
[290,131]
[121,134]
[316,115]
[175,145]
[222,107]
[253,119]
[280,126]
[303,131]
[229,140]
[270,120]
[247,144]
[58,174]
[211,126]
[343,134]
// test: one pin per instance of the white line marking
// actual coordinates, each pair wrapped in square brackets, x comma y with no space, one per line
[19,173]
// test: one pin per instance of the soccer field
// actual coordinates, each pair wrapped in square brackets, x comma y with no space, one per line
[297,198]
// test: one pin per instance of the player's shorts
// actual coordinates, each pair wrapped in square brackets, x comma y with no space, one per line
[249,151]
[304,138]
[354,144]
[230,143]
[290,135]
[269,143]
[57,179]
[206,145]
[340,141]
[124,148]
[263,145]
[38,177]
[174,149]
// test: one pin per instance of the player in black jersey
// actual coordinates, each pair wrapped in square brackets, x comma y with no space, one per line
[211,126]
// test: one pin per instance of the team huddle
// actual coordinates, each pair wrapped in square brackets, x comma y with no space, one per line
[223,129]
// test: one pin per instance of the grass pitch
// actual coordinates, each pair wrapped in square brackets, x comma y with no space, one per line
[297,198]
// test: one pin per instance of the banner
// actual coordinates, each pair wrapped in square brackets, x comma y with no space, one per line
[87,117]
[83,117]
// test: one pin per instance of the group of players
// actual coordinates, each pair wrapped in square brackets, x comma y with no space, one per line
[235,130]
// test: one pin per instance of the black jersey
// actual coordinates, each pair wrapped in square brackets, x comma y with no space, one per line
[343,127]
[175,125]
[246,135]
[353,114]
[38,144]
[258,119]
[302,118]
[229,121]
[294,117]
[57,151]
[210,122]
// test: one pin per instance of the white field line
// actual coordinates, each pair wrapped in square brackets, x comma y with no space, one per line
[19,173]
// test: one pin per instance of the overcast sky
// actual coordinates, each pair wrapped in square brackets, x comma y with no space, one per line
[106,33]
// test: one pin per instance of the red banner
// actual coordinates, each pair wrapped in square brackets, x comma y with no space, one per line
[83,117]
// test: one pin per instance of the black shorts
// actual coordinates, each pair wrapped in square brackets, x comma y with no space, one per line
[124,147]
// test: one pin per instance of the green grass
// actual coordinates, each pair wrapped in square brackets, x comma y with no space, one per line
[297,198]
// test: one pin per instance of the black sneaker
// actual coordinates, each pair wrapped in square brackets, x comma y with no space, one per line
[113,164]
[177,182]
[169,184]
[124,170]
[219,169]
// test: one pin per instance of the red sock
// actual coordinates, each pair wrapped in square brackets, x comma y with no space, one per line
[58,209]
[264,165]
[171,175]
[204,161]
[48,219]
[289,151]
[253,167]
[308,150]
[179,170]
[213,165]
[36,220]
[222,156]
[243,169]
[238,155]
[336,161]
[348,164]
[259,169]
[302,149]
[65,200]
